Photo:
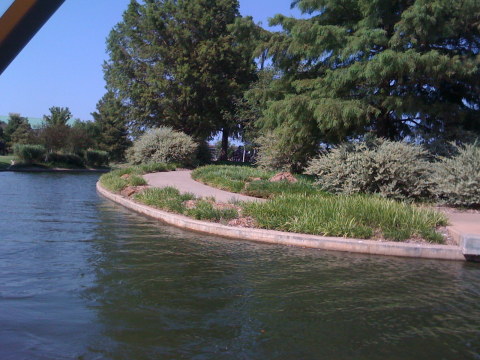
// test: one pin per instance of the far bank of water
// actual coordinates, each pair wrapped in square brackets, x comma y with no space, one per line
[83,278]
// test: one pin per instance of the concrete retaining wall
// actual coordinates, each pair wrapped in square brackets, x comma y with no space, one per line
[443,252]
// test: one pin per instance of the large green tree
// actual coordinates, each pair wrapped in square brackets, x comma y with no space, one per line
[180,63]
[110,119]
[398,68]
[18,129]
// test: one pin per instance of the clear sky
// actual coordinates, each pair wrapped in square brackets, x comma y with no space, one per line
[62,64]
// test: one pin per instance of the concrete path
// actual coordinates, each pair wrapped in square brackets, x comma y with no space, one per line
[463,223]
[183,181]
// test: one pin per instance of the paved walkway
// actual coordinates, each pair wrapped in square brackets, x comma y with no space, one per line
[463,223]
[183,181]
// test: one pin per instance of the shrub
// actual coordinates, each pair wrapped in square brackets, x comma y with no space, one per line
[277,154]
[204,154]
[29,153]
[163,145]
[392,169]
[458,178]
[65,159]
[96,158]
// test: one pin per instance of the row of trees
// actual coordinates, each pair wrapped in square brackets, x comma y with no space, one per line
[401,69]
[58,134]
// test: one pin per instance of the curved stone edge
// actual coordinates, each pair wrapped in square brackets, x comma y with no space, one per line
[439,252]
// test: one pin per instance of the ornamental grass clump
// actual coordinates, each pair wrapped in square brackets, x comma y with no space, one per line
[205,210]
[29,153]
[357,216]
[163,145]
[458,178]
[168,198]
[396,170]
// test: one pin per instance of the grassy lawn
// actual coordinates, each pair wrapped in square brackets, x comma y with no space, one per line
[251,181]
[5,161]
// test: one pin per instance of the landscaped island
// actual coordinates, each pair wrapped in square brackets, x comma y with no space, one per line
[300,206]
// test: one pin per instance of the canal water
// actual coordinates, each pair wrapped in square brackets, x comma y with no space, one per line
[83,278]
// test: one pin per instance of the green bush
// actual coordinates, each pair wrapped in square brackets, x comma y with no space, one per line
[163,145]
[29,153]
[65,159]
[96,158]
[458,178]
[392,169]
[276,154]
[358,216]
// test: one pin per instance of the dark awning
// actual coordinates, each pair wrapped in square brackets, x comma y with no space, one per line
[19,23]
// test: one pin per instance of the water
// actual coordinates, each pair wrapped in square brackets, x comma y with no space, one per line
[83,278]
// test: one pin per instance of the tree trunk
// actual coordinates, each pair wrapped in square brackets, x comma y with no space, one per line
[385,129]
[224,150]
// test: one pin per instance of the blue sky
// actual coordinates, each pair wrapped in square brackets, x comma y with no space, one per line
[62,65]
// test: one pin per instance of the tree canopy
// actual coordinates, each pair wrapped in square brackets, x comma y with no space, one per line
[58,116]
[111,124]
[398,68]
[180,63]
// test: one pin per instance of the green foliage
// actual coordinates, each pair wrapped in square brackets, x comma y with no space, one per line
[399,68]
[205,210]
[65,160]
[251,181]
[204,155]
[113,181]
[357,216]
[136,180]
[18,130]
[110,118]
[192,59]
[392,169]
[230,178]
[458,178]
[277,154]
[29,153]
[266,189]
[96,158]
[163,145]
[58,116]
[168,198]
[155,167]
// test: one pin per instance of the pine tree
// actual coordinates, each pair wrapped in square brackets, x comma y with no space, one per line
[398,68]
[179,63]
[111,123]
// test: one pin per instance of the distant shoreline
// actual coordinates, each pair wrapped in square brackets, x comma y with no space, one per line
[59,170]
